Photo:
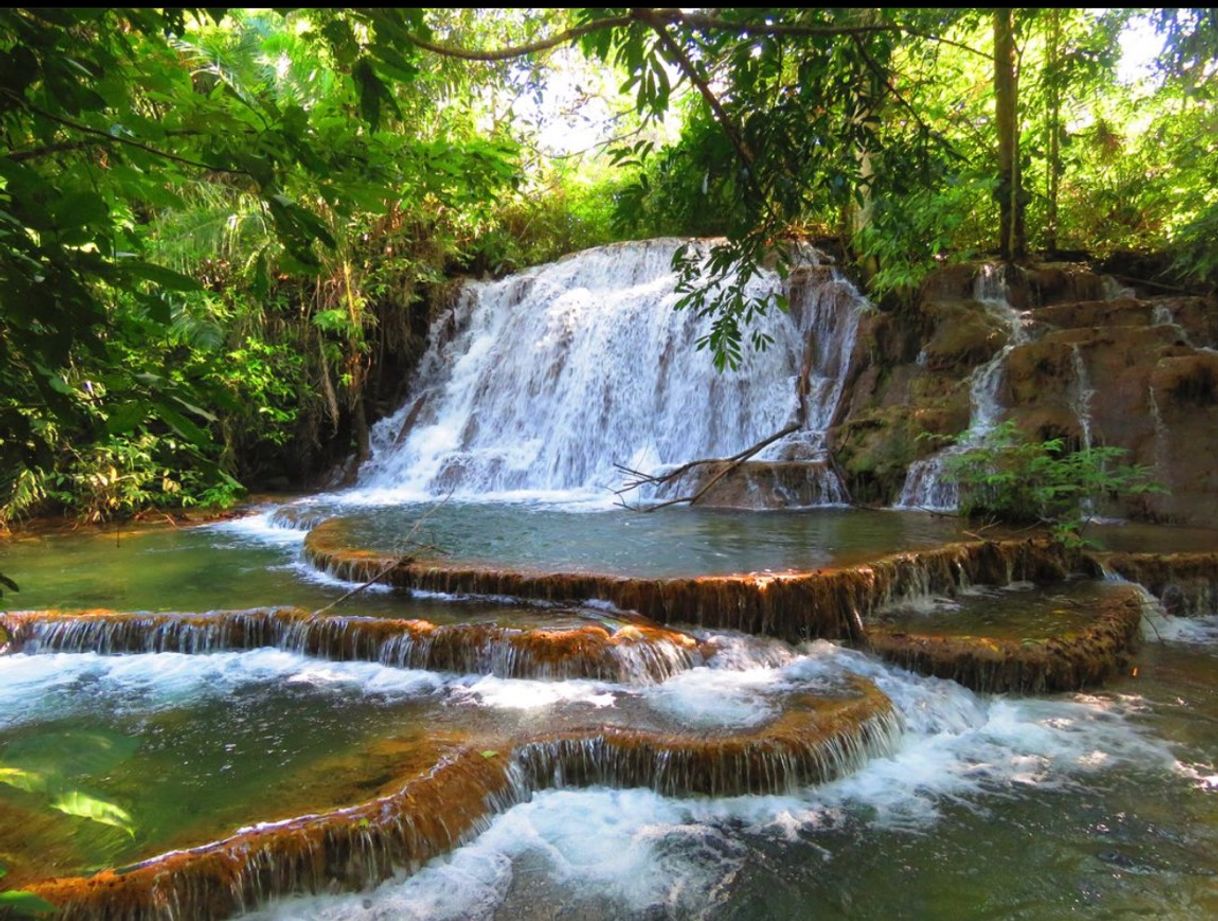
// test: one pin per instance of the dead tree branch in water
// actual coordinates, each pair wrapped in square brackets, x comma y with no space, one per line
[402,559]
[636,479]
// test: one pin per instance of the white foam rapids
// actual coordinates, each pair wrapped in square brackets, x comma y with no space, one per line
[537,384]
[638,853]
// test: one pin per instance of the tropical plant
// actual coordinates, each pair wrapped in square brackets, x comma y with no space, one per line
[15,903]
[1008,477]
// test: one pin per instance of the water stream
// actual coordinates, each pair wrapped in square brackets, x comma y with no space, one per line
[538,384]
[425,756]
[927,483]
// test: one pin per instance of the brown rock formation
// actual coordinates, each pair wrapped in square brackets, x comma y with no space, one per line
[1147,360]
[631,653]
[792,606]
[816,739]
[1067,662]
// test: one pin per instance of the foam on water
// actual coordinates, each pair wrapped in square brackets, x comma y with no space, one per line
[634,852]
[704,698]
[528,694]
[534,386]
[261,527]
[51,685]
[1194,631]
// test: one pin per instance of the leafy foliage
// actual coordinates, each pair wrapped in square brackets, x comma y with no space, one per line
[221,233]
[1009,478]
[18,904]
[210,224]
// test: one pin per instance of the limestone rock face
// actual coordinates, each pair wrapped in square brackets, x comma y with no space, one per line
[1094,363]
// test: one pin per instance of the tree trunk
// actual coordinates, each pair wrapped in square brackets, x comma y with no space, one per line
[1012,238]
[1053,122]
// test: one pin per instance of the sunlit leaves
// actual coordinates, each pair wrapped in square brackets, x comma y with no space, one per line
[82,805]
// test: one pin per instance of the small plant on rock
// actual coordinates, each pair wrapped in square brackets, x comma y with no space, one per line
[1007,477]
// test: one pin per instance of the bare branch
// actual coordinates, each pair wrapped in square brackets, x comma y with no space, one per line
[672,476]
[687,67]
[400,560]
[517,51]
[702,21]
[104,136]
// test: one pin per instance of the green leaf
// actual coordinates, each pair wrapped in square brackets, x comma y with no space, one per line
[82,805]
[183,426]
[80,209]
[126,417]
[24,904]
[161,276]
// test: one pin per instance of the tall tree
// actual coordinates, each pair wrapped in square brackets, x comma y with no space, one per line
[1053,125]
[1012,235]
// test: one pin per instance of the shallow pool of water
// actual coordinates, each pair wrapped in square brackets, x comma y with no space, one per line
[668,542]
[1016,612]
[1101,805]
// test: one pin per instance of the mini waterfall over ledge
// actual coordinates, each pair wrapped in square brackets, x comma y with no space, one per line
[927,485]
[540,382]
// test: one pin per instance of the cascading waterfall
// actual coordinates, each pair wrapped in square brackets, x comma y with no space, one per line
[926,484]
[540,382]
[1083,394]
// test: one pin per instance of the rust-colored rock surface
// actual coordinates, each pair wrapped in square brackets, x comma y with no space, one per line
[815,739]
[1069,661]
[792,606]
[630,653]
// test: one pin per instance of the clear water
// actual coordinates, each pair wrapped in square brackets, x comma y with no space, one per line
[668,542]
[203,569]
[1095,806]
[1017,612]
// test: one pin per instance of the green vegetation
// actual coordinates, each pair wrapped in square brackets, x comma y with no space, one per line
[222,235]
[17,904]
[1009,478]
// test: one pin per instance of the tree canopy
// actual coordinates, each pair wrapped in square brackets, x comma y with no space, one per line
[221,232]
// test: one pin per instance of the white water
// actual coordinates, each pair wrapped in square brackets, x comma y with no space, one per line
[537,384]
[637,853]
[927,485]
[35,687]
[1084,393]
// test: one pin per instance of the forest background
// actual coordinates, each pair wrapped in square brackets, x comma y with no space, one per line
[223,235]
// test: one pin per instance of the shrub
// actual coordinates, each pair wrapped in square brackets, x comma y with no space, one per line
[1008,478]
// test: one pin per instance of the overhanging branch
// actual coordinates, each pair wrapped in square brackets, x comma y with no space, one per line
[703,21]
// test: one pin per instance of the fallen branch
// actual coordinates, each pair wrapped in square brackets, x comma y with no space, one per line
[640,479]
[403,559]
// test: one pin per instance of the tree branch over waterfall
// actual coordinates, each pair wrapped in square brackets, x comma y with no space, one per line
[636,479]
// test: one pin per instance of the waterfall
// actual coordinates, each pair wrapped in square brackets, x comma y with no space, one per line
[1083,394]
[927,485]
[540,382]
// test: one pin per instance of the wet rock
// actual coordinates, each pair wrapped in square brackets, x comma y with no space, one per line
[1069,661]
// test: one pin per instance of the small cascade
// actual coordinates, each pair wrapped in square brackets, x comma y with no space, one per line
[350,848]
[1113,290]
[1162,440]
[927,485]
[815,740]
[1163,315]
[1186,584]
[633,654]
[1069,660]
[1084,393]
[540,382]
[793,606]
